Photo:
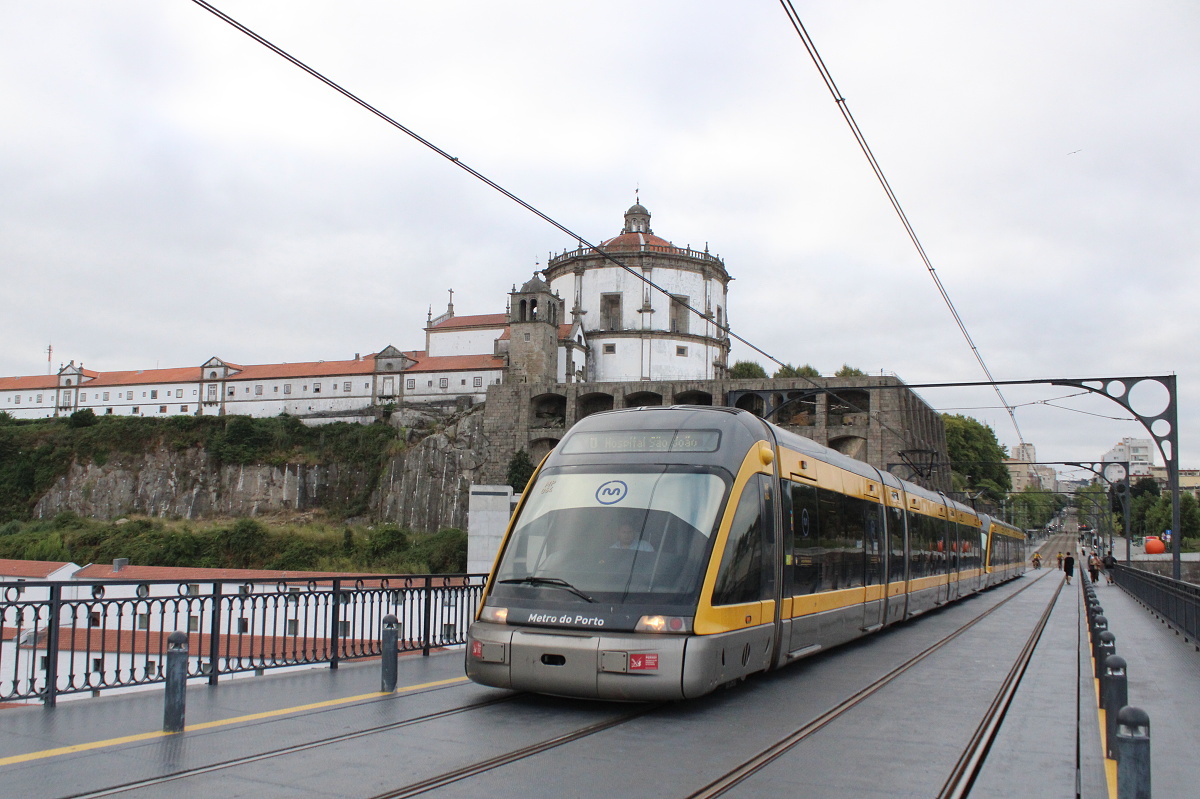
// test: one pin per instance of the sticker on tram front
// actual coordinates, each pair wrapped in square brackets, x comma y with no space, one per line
[477,649]
[644,661]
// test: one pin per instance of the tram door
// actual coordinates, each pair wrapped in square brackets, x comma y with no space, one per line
[943,559]
[876,562]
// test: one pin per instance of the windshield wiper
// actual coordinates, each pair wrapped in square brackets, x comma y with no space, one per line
[554,581]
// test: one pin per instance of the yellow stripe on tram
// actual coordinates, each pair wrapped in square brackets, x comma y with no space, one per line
[146,736]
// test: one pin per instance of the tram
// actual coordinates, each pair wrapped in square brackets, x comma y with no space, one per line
[660,553]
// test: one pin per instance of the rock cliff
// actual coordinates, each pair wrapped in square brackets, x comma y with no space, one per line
[424,488]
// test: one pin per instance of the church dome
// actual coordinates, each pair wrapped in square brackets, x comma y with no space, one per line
[535,285]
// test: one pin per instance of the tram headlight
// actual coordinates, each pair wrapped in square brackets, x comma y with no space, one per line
[497,615]
[664,624]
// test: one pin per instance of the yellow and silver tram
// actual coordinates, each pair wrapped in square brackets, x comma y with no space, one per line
[658,553]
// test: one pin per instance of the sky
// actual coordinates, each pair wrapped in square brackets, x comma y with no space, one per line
[171,190]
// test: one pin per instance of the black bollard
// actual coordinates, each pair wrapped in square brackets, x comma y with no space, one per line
[1114,695]
[1106,646]
[1099,625]
[389,648]
[1133,754]
[175,696]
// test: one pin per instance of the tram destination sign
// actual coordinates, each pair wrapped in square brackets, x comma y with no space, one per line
[619,441]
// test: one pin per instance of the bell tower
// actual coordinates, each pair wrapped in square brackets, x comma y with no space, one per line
[534,314]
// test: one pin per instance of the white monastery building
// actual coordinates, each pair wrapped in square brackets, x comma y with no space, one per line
[618,329]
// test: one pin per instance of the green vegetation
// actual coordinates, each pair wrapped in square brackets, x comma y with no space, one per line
[787,370]
[520,469]
[849,371]
[33,454]
[1158,516]
[237,544]
[747,370]
[1035,507]
[976,458]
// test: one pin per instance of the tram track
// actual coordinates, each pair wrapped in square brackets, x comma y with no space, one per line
[972,757]
[412,789]
[210,768]
[958,783]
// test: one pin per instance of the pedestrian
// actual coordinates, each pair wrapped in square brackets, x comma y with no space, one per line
[1060,560]
[1068,566]
[1109,564]
[1094,568]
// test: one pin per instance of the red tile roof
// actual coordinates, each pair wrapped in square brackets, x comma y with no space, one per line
[627,242]
[484,320]
[28,382]
[194,374]
[268,371]
[104,571]
[454,363]
[184,374]
[36,569]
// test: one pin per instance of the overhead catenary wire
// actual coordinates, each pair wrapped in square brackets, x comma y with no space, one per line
[794,18]
[583,242]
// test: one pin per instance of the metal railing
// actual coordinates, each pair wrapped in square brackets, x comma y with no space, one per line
[1176,601]
[69,637]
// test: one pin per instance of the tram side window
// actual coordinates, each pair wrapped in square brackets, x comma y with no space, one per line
[928,557]
[807,553]
[747,572]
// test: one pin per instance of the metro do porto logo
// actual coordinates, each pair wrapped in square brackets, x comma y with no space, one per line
[612,492]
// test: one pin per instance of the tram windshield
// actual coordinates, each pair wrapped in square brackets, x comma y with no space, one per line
[617,536]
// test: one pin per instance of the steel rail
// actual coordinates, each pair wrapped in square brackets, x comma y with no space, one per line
[182,774]
[475,769]
[969,764]
[758,762]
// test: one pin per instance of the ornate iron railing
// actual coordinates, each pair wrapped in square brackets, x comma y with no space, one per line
[69,637]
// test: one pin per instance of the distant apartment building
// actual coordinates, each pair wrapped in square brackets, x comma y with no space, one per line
[1026,472]
[1138,452]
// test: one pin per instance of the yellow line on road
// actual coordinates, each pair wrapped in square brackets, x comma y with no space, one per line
[146,736]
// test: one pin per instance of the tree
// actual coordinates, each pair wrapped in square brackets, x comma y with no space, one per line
[82,418]
[1158,518]
[1035,507]
[849,371]
[747,370]
[520,469]
[787,370]
[976,457]
[1144,485]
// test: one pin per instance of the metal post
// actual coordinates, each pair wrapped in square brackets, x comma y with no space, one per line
[335,613]
[175,696]
[389,652]
[214,635]
[1099,625]
[1114,695]
[1133,754]
[1106,647]
[52,631]
[427,632]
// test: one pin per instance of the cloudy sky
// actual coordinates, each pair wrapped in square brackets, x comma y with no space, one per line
[171,190]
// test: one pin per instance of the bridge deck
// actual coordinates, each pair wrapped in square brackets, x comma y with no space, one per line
[89,744]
